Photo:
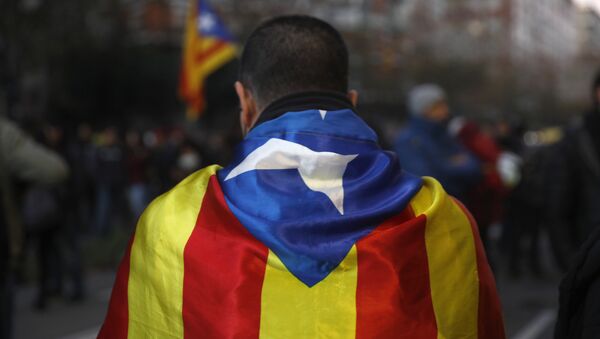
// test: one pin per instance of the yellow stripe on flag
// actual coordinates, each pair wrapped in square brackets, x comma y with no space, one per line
[454,279]
[199,71]
[290,309]
[155,288]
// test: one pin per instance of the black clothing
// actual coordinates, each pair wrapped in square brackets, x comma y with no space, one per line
[579,313]
[523,219]
[592,125]
[302,101]
[575,219]
[574,187]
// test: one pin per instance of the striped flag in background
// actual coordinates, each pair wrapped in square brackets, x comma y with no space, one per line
[208,46]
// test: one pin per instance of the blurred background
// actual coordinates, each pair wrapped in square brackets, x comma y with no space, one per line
[97,82]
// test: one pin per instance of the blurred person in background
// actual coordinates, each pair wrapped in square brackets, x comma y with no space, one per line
[426,148]
[81,153]
[524,208]
[573,199]
[501,172]
[20,159]
[311,231]
[164,159]
[110,180]
[509,134]
[137,173]
[188,162]
[81,157]
[45,221]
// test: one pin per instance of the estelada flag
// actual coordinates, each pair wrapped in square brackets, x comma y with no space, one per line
[208,46]
[313,231]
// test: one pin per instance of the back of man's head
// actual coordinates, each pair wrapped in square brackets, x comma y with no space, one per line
[291,54]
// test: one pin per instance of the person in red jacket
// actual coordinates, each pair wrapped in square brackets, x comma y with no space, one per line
[500,173]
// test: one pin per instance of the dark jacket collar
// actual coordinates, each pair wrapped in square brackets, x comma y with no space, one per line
[301,101]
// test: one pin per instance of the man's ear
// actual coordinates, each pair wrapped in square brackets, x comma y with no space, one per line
[248,110]
[353,97]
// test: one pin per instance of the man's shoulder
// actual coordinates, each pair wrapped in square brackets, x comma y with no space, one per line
[440,208]
[185,198]
[196,180]
[429,198]
[10,134]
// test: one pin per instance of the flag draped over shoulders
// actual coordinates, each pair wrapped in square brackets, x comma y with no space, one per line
[208,46]
[313,231]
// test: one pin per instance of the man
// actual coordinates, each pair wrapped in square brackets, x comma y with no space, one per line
[20,158]
[426,148]
[312,231]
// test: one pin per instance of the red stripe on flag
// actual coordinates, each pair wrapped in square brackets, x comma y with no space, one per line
[199,58]
[224,267]
[207,53]
[393,298]
[490,324]
[117,319]
[183,83]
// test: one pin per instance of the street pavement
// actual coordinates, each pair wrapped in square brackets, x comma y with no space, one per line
[64,319]
[530,306]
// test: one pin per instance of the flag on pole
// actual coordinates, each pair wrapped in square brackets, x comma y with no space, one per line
[208,45]
[313,231]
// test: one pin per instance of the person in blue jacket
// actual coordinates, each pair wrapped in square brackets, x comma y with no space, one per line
[426,148]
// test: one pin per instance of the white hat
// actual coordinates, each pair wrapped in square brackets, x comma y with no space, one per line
[422,97]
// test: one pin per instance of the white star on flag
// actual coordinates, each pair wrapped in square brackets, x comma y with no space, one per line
[321,171]
[206,22]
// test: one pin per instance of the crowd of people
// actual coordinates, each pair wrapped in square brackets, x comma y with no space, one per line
[113,174]
[524,183]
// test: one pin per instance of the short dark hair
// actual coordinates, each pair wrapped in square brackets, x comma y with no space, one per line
[293,53]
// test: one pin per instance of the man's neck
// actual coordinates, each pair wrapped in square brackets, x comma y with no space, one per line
[302,101]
